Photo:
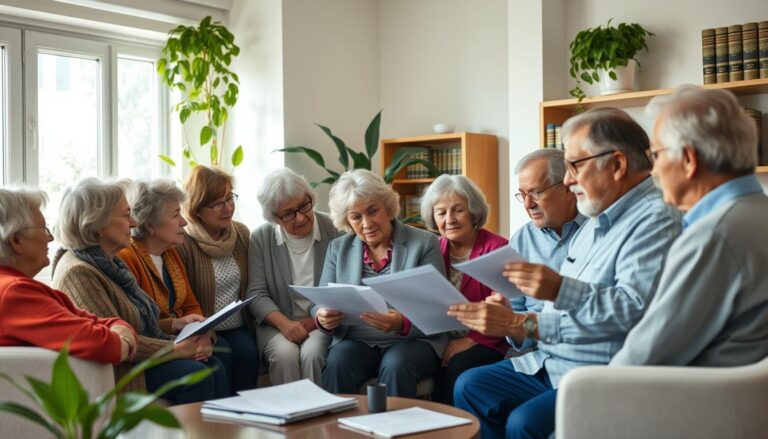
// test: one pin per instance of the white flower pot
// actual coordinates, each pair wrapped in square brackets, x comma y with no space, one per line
[626,78]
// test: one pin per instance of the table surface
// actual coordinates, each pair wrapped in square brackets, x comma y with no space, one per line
[321,427]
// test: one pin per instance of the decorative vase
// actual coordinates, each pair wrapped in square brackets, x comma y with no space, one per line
[625,79]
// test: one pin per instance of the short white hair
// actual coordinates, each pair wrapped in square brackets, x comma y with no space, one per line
[460,185]
[555,163]
[85,209]
[711,122]
[280,186]
[148,201]
[356,186]
[16,208]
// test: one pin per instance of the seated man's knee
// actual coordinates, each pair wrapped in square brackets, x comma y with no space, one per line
[523,422]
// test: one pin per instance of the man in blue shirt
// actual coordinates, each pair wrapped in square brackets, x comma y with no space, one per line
[712,304]
[604,286]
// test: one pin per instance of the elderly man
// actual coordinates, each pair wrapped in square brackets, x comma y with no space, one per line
[712,305]
[604,286]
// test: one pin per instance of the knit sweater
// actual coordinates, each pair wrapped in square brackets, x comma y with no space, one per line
[92,290]
[137,259]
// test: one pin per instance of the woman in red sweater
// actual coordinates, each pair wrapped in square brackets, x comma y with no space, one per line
[33,314]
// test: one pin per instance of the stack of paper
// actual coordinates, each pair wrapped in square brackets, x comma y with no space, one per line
[211,322]
[401,422]
[352,300]
[277,405]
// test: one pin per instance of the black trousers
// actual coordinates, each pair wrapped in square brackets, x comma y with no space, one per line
[445,378]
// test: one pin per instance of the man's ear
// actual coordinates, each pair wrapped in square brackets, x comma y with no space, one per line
[620,165]
[690,161]
[16,244]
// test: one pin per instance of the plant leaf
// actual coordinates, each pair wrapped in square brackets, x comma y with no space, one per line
[65,387]
[237,156]
[167,159]
[340,146]
[25,412]
[48,400]
[205,135]
[214,153]
[327,180]
[311,153]
[359,160]
[372,136]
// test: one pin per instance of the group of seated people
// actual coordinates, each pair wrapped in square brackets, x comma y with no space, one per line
[614,273]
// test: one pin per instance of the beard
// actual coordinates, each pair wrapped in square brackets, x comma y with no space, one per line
[586,206]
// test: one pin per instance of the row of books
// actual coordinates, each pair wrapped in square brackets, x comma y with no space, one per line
[735,53]
[757,116]
[411,206]
[554,136]
[446,160]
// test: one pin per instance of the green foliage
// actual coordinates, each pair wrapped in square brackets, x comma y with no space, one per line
[196,62]
[360,160]
[70,413]
[604,48]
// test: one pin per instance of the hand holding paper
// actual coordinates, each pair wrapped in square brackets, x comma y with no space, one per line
[351,300]
[489,267]
[211,322]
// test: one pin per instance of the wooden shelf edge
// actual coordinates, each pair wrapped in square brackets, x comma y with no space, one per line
[413,181]
[761,170]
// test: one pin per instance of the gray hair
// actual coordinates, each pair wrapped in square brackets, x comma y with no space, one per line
[148,201]
[611,128]
[356,186]
[460,185]
[555,163]
[280,186]
[710,121]
[16,207]
[85,209]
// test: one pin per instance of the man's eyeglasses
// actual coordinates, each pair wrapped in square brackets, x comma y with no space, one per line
[218,207]
[534,195]
[653,155]
[45,228]
[291,215]
[574,170]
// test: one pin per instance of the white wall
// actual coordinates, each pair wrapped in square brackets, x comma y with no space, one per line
[446,61]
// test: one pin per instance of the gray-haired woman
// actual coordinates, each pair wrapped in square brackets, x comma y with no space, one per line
[388,346]
[288,250]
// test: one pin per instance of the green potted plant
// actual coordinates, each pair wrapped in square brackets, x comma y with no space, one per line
[71,414]
[351,159]
[195,61]
[602,50]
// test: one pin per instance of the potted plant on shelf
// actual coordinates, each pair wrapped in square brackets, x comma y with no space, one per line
[196,62]
[607,52]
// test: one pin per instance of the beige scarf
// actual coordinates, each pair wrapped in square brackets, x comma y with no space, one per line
[215,249]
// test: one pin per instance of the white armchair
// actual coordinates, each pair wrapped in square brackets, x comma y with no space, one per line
[18,362]
[597,402]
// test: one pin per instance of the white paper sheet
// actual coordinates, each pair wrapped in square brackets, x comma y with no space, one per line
[352,300]
[401,422]
[488,267]
[423,295]
[211,322]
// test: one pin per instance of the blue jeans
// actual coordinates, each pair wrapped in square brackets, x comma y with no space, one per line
[240,358]
[212,387]
[508,403]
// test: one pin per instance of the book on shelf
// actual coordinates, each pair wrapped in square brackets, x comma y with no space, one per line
[749,49]
[412,206]
[757,116]
[762,36]
[559,137]
[721,54]
[550,135]
[735,54]
[419,170]
[708,55]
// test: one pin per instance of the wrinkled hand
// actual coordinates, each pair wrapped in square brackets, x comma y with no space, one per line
[179,324]
[186,349]
[129,345]
[389,322]
[293,331]
[329,319]
[457,346]
[309,325]
[204,346]
[535,280]
[498,299]
[488,318]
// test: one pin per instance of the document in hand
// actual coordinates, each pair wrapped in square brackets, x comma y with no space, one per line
[423,295]
[401,422]
[211,322]
[488,267]
[278,405]
[352,300]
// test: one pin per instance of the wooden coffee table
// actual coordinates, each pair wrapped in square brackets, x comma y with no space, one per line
[321,427]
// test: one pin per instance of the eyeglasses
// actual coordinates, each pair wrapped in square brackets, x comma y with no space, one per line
[291,215]
[534,195]
[218,207]
[574,170]
[45,228]
[653,155]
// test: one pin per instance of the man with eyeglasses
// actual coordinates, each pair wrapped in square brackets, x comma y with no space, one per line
[604,286]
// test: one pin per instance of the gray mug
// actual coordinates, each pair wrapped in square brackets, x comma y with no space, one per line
[377,397]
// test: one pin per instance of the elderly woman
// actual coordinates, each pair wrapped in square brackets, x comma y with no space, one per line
[35,314]
[454,206]
[215,254]
[388,346]
[94,224]
[288,250]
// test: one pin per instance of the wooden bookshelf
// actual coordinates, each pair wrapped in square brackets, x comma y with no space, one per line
[479,162]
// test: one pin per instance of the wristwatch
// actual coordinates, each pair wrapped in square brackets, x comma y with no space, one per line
[530,325]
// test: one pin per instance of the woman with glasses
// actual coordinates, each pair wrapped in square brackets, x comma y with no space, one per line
[215,254]
[288,250]
[455,207]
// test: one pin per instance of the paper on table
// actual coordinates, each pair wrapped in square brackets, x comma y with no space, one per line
[423,295]
[401,422]
[352,300]
[211,322]
[488,267]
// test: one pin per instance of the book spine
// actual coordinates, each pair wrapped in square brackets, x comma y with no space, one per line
[457,161]
[559,137]
[721,54]
[757,117]
[749,45]
[735,54]
[762,37]
[708,55]
[550,135]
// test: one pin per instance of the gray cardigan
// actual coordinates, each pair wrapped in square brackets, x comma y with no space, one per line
[270,273]
[412,248]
